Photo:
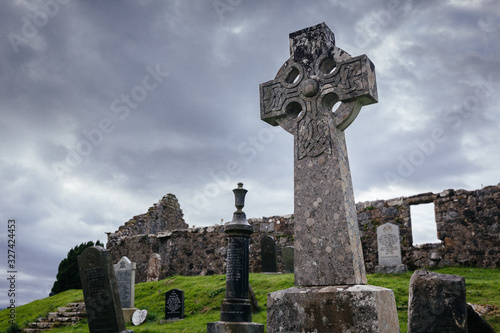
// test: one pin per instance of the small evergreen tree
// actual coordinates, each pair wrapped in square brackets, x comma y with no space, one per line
[68,274]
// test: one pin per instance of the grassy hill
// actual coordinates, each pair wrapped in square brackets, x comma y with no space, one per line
[204,294]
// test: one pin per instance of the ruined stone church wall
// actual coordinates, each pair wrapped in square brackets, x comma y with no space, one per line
[198,251]
[468,226]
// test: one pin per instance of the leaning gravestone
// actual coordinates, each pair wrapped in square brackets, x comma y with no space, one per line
[174,304]
[436,303]
[329,266]
[100,291]
[268,255]
[125,277]
[139,317]
[287,253]
[389,250]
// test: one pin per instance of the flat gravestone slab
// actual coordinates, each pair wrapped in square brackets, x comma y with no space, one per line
[139,317]
[288,255]
[100,291]
[388,243]
[268,255]
[125,277]
[174,304]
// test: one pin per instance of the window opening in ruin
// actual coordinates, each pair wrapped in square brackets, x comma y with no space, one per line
[423,224]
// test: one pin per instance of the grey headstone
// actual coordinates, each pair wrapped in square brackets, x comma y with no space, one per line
[436,303]
[100,291]
[174,304]
[389,248]
[268,255]
[287,253]
[125,277]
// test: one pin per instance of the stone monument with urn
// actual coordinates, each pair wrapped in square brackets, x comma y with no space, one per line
[236,309]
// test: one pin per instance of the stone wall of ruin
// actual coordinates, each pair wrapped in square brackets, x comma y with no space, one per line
[198,251]
[468,226]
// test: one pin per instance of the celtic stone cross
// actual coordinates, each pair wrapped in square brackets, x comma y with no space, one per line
[317,76]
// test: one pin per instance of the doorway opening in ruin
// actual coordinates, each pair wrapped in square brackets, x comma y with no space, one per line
[423,224]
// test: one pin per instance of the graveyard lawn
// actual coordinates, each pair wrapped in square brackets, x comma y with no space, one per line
[204,295]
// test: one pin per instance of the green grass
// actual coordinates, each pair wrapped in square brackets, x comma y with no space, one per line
[204,294]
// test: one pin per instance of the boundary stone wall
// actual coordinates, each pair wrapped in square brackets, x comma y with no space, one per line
[468,226]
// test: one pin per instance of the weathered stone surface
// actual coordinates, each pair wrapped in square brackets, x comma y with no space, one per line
[268,253]
[162,216]
[125,278]
[100,291]
[154,267]
[328,255]
[436,303]
[358,308]
[300,99]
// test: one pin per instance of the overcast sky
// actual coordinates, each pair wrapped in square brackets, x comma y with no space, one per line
[106,106]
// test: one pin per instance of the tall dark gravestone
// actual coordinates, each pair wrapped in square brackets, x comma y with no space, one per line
[268,255]
[174,304]
[236,309]
[100,291]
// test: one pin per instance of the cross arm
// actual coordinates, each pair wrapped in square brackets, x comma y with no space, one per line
[353,83]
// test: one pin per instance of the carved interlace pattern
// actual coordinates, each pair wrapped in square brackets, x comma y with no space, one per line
[314,137]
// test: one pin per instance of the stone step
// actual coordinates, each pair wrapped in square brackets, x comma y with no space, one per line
[72,307]
[66,314]
[41,325]
[63,320]
[65,309]
[32,330]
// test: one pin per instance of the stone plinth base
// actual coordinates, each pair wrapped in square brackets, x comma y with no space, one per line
[128,313]
[393,269]
[168,321]
[233,327]
[354,308]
